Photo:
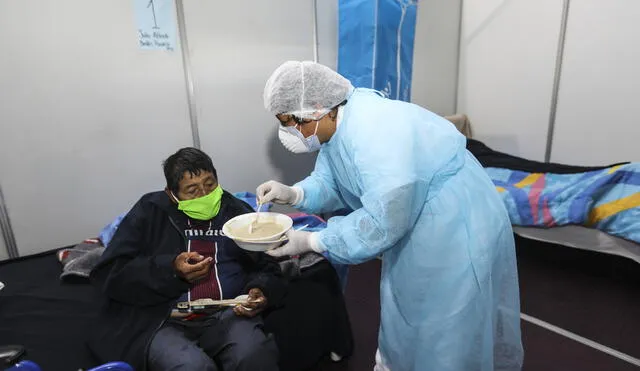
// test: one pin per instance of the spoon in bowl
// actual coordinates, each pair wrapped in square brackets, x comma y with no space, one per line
[255,221]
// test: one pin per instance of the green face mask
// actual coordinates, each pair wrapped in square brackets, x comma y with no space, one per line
[203,208]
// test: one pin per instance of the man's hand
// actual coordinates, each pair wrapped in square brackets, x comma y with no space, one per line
[192,266]
[256,304]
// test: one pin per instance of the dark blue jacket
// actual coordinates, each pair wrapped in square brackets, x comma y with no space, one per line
[138,280]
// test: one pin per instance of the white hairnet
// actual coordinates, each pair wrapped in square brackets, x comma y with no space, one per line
[306,90]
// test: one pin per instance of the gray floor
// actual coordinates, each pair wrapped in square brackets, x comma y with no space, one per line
[593,296]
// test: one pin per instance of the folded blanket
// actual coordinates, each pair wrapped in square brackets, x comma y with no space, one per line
[462,123]
[80,260]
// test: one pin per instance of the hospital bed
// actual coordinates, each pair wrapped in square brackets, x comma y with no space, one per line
[593,208]
[51,317]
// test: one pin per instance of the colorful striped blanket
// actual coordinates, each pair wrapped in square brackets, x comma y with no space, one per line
[608,200]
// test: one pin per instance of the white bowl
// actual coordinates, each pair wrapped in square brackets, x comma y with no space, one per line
[261,246]
[263,243]
[242,221]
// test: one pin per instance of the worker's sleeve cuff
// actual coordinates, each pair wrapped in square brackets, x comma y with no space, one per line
[299,195]
[316,244]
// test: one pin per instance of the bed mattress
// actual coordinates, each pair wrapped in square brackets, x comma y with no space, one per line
[583,238]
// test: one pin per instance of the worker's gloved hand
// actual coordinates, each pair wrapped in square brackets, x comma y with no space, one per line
[300,242]
[279,193]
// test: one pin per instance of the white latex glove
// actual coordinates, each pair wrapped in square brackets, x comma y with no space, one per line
[278,193]
[300,242]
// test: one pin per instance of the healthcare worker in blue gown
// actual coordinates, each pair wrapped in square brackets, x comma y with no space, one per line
[421,201]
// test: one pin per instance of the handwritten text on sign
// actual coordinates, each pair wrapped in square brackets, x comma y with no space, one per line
[156,24]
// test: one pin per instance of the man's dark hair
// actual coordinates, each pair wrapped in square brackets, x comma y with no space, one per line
[188,159]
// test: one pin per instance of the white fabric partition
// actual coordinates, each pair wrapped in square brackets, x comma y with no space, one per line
[507,62]
[229,76]
[435,55]
[86,117]
[595,121]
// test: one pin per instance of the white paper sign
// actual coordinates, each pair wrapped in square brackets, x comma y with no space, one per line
[156,24]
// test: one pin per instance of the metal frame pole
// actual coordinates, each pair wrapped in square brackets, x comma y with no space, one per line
[186,65]
[7,231]
[556,80]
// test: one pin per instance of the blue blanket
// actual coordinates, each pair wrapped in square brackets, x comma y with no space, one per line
[608,200]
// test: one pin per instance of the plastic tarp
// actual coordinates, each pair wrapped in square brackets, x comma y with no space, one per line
[375,45]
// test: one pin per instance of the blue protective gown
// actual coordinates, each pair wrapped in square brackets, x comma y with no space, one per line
[449,287]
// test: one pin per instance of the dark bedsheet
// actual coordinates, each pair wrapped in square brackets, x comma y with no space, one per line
[52,318]
[490,158]
[49,317]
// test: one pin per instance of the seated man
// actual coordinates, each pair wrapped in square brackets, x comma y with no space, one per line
[170,247]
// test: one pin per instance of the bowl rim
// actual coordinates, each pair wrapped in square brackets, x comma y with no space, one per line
[263,240]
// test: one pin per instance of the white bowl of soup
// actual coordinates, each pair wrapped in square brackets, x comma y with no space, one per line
[266,234]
